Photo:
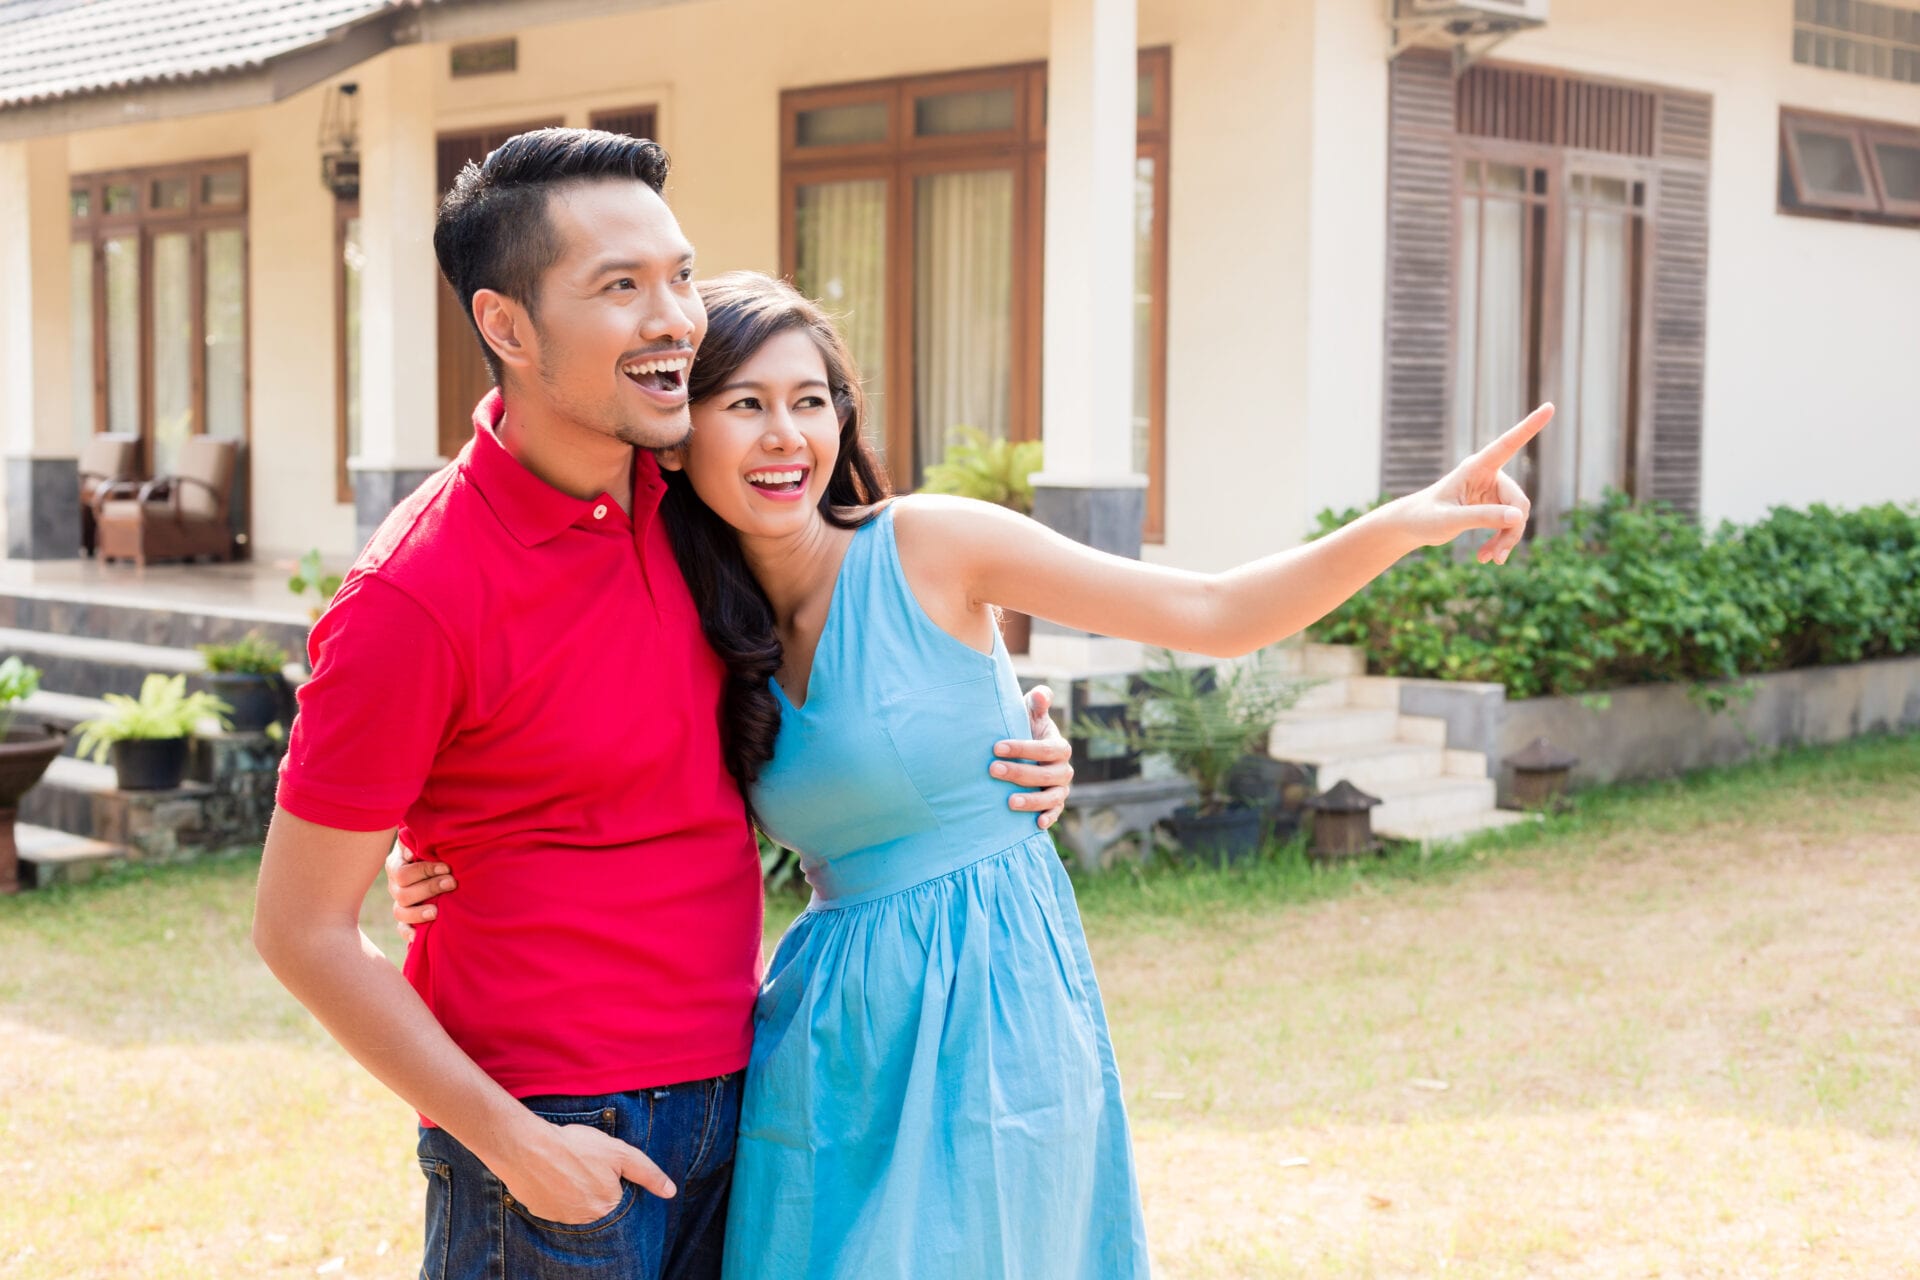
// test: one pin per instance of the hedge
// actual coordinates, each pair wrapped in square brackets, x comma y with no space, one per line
[1636,595]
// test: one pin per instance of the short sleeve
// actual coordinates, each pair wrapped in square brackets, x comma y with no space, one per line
[385,694]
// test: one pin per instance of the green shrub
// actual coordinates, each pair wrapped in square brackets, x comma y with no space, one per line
[252,654]
[18,682]
[1636,595]
[164,709]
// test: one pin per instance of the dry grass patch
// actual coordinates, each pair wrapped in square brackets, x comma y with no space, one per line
[1678,1034]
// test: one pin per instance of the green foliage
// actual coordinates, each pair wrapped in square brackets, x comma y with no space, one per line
[979,466]
[164,709]
[1204,719]
[1635,595]
[253,654]
[18,682]
[311,576]
[779,866]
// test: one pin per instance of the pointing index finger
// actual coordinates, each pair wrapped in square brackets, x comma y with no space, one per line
[1501,451]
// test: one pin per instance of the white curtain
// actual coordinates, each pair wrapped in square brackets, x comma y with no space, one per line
[226,319]
[840,260]
[963,305]
[1490,371]
[172,349]
[123,334]
[80,285]
[1587,451]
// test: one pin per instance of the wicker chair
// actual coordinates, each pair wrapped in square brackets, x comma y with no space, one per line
[174,517]
[107,460]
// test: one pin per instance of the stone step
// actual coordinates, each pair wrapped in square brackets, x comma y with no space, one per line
[1423,800]
[64,798]
[63,711]
[1322,694]
[1301,732]
[1438,831]
[1465,764]
[88,667]
[149,621]
[49,857]
[1373,691]
[1374,765]
[1329,660]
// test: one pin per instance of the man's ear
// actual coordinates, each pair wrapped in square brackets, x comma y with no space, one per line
[506,327]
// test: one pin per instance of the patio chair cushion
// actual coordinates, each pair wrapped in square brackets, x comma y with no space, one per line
[209,460]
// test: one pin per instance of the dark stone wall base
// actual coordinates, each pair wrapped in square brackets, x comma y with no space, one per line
[376,493]
[1104,518]
[43,509]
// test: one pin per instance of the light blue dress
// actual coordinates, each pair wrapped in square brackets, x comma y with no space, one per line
[932,1093]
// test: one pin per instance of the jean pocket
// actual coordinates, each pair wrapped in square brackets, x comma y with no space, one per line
[629,1196]
[439,1225]
[570,1112]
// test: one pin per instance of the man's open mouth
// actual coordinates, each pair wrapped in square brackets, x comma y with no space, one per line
[664,375]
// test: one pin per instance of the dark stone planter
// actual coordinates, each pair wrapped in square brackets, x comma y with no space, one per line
[1228,837]
[257,701]
[149,764]
[25,753]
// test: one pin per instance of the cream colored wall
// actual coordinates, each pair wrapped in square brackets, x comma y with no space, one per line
[290,304]
[1812,326]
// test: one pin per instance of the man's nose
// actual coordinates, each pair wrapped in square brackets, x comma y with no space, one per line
[667,320]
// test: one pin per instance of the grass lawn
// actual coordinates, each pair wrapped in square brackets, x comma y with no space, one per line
[1675,1033]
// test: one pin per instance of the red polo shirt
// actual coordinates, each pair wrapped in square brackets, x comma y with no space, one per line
[517,679]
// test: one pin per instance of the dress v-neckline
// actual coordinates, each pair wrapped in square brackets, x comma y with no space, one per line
[826,626]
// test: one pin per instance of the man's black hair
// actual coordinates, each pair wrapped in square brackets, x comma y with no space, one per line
[493,231]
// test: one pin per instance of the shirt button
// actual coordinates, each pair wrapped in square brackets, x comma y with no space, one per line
[600,512]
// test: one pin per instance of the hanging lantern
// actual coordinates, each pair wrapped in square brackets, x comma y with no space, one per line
[340,141]
[1342,823]
[1540,776]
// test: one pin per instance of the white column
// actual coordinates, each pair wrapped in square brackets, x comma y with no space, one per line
[399,284]
[1092,94]
[36,331]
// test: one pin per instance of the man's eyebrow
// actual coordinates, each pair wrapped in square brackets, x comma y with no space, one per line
[606,265]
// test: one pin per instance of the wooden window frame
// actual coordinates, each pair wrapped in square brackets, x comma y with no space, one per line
[902,157]
[344,211]
[1791,126]
[1875,136]
[613,115]
[144,223]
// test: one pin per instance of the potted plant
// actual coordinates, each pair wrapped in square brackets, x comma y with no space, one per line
[1205,720]
[310,576]
[999,471]
[246,676]
[25,753]
[146,737]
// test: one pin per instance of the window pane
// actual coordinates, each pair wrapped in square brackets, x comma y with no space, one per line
[1490,374]
[842,126]
[1506,177]
[354,257]
[81,203]
[1143,193]
[228,187]
[172,350]
[80,294]
[170,193]
[945,114]
[1143,101]
[840,260]
[1829,165]
[122,197]
[963,307]
[1588,445]
[1899,169]
[123,333]
[226,333]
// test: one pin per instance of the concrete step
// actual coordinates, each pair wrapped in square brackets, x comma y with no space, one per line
[1323,694]
[88,667]
[1303,732]
[1429,730]
[63,711]
[148,621]
[1439,831]
[64,798]
[1373,691]
[1424,800]
[1374,765]
[49,857]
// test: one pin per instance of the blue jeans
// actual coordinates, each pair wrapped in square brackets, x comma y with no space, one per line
[475,1231]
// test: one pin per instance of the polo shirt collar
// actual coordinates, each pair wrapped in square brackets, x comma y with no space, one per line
[534,511]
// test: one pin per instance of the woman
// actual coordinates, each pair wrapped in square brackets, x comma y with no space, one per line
[932,1090]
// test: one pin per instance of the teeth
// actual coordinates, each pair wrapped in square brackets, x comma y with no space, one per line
[673,364]
[775,477]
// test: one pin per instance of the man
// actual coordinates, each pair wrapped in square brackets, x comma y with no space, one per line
[514,677]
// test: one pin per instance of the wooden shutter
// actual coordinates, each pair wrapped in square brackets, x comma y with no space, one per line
[1420,232]
[635,122]
[1678,341]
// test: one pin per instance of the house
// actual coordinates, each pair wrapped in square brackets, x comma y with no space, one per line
[1235,260]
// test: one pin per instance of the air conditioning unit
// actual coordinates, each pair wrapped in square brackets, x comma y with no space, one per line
[1481,17]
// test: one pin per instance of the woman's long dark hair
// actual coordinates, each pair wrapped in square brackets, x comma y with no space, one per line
[745,310]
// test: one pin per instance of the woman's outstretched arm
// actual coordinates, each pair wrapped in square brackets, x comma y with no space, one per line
[997,557]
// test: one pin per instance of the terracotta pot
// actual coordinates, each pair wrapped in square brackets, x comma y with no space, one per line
[25,753]
[1016,630]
